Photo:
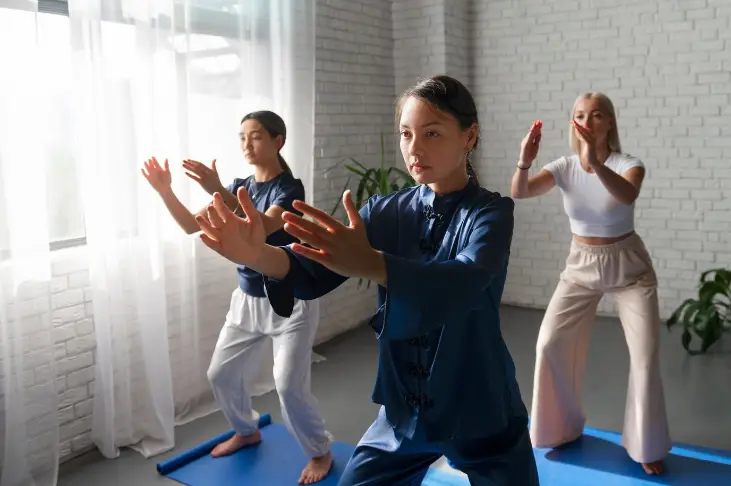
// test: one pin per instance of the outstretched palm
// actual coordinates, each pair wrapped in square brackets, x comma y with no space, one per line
[206,176]
[158,176]
[239,239]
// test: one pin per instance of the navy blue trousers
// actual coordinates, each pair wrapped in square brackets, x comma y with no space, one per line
[382,458]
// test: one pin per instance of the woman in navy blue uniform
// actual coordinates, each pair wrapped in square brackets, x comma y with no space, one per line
[251,319]
[439,254]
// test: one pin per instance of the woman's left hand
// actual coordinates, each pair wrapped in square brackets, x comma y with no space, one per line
[588,148]
[343,249]
[206,176]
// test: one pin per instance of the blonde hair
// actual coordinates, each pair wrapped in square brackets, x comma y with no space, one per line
[607,108]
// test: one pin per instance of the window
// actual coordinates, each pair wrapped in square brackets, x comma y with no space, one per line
[211,61]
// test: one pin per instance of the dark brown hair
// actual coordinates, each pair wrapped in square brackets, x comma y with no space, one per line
[447,95]
[274,125]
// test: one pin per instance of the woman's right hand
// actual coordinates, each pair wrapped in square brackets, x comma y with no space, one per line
[241,240]
[530,144]
[158,177]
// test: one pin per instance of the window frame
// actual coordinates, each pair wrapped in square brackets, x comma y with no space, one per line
[207,21]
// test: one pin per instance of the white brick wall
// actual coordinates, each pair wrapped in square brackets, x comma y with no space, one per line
[355,87]
[430,37]
[74,340]
[666,66]
[355,94]
[419,40]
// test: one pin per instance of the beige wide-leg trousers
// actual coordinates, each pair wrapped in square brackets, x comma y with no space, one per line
[623,270]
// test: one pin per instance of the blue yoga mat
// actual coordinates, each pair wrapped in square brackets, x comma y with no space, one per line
[596,459]
[599,458]
[175,463]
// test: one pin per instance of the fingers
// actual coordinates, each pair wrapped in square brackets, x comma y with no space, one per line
[207,228]
[214,218]
[194,166]
[309,233]
[194,176]
[536,127]
[351,210]
[213,166]
[318,215]
[210,243]
[246,205]
[318,256]
[149,168]
[534,134]
[583,132]
[219,208]
[303,223]
[153,165]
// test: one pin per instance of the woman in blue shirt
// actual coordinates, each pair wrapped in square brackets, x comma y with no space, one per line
[251,318]
[439,253]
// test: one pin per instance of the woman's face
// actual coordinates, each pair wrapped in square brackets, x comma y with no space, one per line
[588,113]
[433,144]
[257,145]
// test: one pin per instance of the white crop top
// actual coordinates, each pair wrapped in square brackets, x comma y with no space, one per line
[591,209]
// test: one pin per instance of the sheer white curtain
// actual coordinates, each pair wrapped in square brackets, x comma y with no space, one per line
[28,396]
[171,78]
[84,99]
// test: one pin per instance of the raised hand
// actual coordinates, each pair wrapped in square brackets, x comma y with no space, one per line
[588,147]
[530,144]
[241,240]
[343,249]
[206,176]
[158,176]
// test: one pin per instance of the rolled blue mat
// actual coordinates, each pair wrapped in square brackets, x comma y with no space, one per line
[169,465]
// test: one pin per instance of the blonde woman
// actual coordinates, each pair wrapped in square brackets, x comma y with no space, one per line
[599,185]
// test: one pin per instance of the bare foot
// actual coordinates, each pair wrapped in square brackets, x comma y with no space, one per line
[316,469]
[654,468]
[235,443]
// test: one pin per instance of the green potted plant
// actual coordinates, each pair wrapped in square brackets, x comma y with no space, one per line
[371,181]
[708,316]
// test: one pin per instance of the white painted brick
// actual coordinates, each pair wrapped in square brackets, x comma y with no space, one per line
[72,396]
[83,408]
[84,327]
[59,284]
[667,71]
[67,298]
[76,428]
[68,314]
[79,280]
[64,332]
[73,363]
[65,415]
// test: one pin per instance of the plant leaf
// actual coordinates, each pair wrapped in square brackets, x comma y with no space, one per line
[384,185]
[685,339]
[402,173]
[362,186]
[362,167]
[337,203]
[711,333]
[355,171]
[723,276]
[709,290]
[681,314]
